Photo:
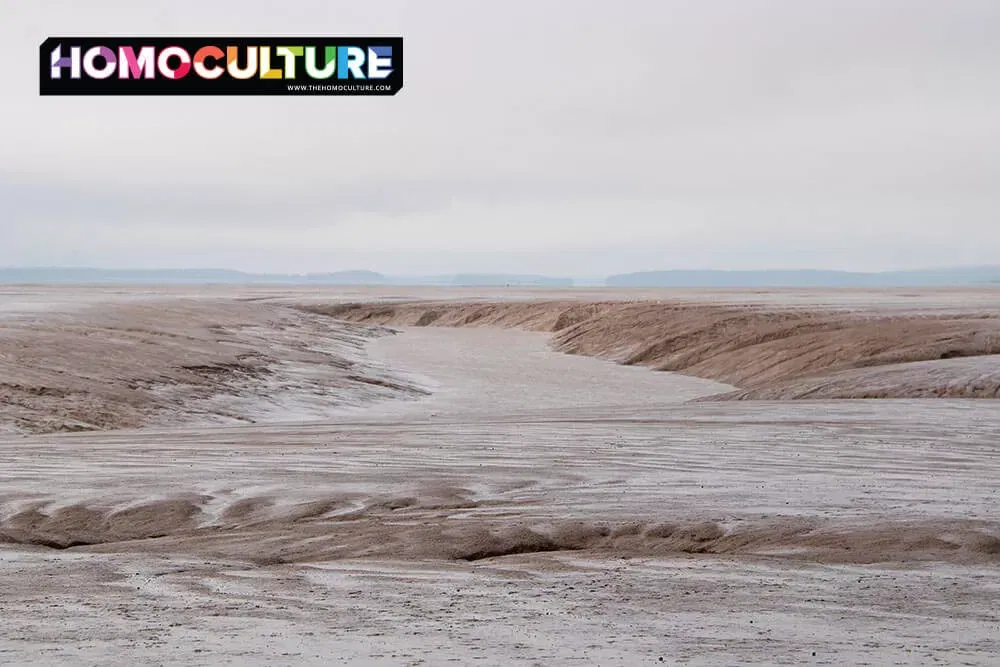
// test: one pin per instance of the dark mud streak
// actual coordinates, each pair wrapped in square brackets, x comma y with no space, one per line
[435,527]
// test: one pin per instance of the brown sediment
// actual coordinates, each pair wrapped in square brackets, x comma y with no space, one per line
[182,362]
[766,352]
[536,508]
[175,362]
[417,527]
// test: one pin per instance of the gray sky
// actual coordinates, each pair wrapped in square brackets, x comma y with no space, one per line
[531,136]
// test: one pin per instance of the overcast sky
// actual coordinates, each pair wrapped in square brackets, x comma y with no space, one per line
[572,138]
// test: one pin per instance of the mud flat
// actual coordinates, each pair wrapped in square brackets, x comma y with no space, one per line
[171,361]
[518,506]
[769,350]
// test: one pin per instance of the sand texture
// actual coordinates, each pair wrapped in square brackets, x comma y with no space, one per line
[424,495]
[175,362]
[768,352]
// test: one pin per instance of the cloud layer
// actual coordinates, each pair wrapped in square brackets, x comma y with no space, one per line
[613,137]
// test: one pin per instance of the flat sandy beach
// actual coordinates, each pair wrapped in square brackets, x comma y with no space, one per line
[290,476]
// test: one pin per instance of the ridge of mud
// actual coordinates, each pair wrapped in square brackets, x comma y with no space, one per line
[766,352]
[444,526]
[183,362]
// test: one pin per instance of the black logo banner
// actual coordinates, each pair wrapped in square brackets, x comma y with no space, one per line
[221,66]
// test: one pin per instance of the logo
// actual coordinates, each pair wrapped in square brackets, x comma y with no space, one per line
[221,66]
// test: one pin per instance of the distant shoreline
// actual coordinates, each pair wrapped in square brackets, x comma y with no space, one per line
[970,276]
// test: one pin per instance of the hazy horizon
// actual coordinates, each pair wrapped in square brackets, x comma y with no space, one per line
[501,270]
[639,136]
[359,269]
[777,278]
